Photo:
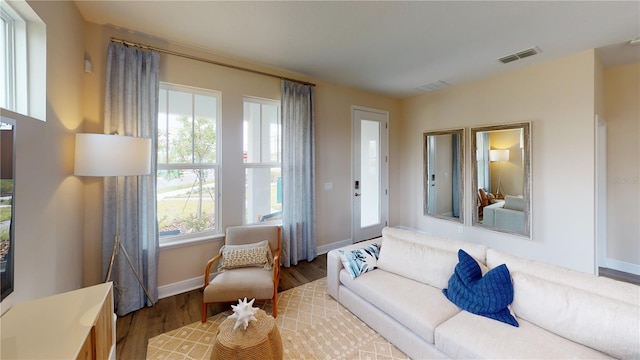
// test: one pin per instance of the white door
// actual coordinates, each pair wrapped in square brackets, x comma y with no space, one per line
[370,172]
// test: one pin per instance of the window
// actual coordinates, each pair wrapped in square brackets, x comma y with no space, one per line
[261,156]
[188,163]
[10,21]
[23,60]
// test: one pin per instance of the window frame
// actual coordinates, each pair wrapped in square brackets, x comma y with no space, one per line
[182,239]
[260,164]
[27,65]
[9,19]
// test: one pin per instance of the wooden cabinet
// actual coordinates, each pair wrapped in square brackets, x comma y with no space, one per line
[73,325]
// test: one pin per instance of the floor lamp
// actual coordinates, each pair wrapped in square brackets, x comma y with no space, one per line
[499,156]
[114,155]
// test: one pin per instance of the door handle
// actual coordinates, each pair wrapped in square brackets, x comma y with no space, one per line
[357,194]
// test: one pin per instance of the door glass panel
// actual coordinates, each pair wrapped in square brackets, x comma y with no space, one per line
[369,173]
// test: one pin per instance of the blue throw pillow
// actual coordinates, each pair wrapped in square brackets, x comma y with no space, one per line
[359,261]
[488,295]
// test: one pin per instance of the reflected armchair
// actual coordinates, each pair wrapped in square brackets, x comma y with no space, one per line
[242,269]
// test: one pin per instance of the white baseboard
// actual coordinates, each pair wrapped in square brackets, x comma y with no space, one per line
[336,245]
[179,287]
[621,266]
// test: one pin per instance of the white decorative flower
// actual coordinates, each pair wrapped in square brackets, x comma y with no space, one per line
[243,313]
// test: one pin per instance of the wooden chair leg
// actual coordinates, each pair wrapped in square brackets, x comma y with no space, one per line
[275,305]
[204,312]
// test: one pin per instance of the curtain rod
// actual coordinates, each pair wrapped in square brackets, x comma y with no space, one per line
[169,52]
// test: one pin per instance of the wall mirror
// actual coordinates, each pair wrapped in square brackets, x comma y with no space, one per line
[501,161]
[7,200]
[444,174]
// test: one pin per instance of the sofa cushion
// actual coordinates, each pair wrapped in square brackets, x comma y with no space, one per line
[514,203]
[488,295]
[605,324]
[360,261]
[420,308]
[417,261]
[469,336]
[598,285]
[479,252]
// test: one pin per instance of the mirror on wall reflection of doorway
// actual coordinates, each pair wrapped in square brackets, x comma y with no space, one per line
[7,201]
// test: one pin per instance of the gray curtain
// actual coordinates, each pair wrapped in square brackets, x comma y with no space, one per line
[131,108]
[298,174]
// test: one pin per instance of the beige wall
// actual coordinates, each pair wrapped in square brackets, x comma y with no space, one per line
[48,217]
[557,97]
[622,114]
[333,146]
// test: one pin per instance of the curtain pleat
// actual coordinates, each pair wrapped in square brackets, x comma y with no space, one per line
[298,174]
[131,108]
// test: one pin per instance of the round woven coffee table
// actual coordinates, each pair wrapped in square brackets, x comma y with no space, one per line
[260,341]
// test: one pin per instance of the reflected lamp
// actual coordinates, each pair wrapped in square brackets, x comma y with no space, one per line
[499,156]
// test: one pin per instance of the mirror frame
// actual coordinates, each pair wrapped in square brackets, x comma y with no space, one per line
[526,147]
[461,167]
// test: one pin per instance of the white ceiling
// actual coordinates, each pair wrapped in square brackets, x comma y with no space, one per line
[390,47]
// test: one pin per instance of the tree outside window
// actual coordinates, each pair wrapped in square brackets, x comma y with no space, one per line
[187,160]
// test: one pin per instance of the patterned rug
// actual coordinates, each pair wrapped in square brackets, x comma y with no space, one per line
[312,325]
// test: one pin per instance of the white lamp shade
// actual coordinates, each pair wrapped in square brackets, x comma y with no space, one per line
[499,155]
[112,155]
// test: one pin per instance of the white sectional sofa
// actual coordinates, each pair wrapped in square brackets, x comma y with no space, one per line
[506,214]
[562,314]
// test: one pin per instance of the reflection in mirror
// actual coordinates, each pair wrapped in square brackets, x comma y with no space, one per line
[501,177]
[7,167]
[443,174]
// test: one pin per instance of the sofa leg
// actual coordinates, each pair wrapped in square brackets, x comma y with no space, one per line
[204,312]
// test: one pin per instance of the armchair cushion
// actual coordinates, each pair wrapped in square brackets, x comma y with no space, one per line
[249,282]
[253,255]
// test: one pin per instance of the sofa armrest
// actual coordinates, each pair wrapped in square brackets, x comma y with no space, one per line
[510,219]
[334,265]
[489,213]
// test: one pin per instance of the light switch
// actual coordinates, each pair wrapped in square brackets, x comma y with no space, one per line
[328,186]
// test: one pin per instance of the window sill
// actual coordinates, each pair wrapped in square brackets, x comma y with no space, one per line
[178,242]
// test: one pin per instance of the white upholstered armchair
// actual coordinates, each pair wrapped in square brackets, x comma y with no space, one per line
[248,265]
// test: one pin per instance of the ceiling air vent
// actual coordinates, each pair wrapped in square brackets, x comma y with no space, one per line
[436,85]
[519,55]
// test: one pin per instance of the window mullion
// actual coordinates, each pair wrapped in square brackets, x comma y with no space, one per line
[167,138]
[193,129]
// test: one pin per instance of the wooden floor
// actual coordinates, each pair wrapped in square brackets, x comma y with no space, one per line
[135,329]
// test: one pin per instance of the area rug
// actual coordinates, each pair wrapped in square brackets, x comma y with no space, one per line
[311,323]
